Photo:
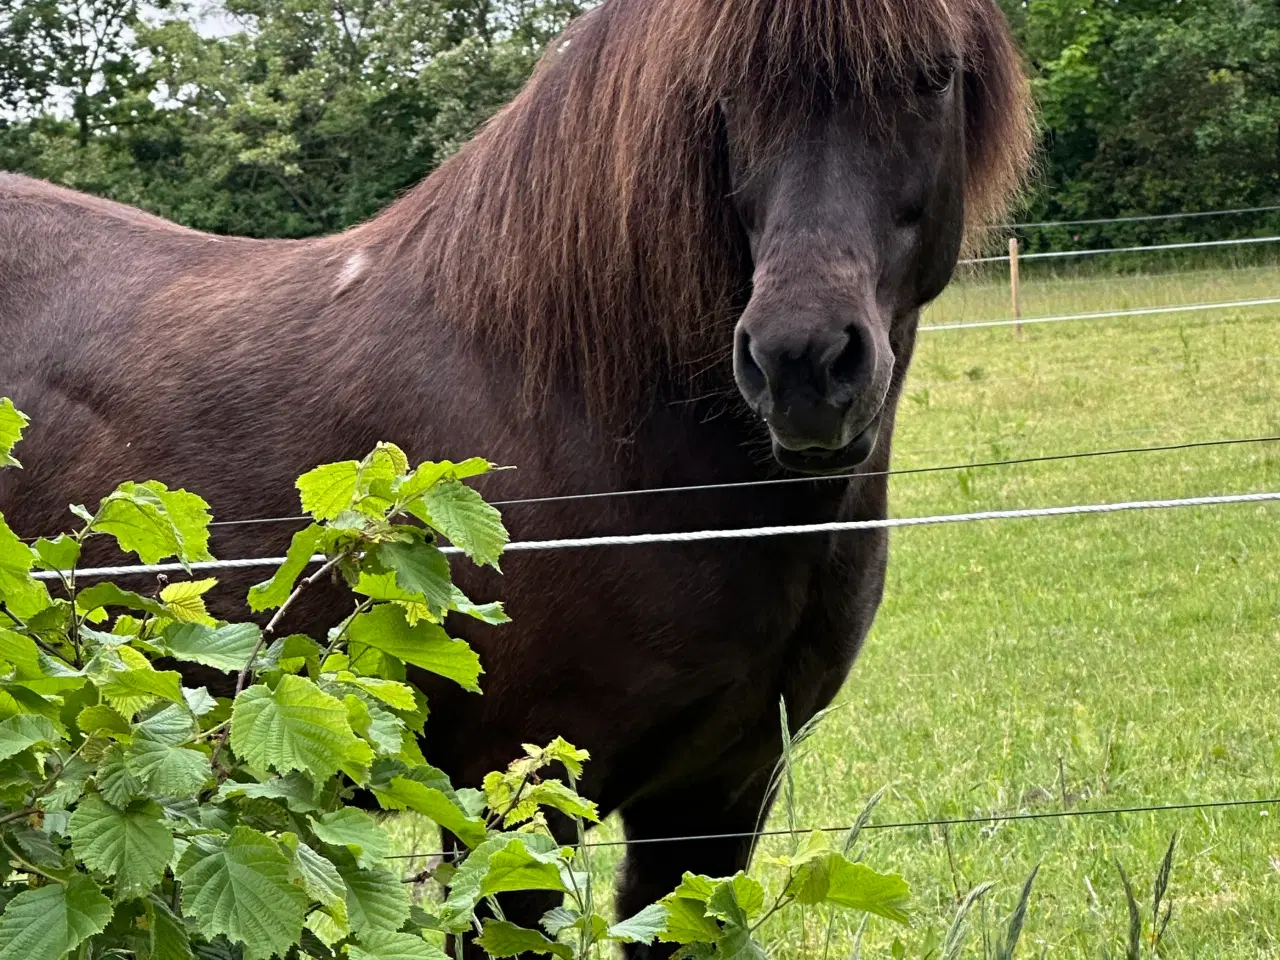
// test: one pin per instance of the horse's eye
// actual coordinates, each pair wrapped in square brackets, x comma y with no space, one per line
[933,80]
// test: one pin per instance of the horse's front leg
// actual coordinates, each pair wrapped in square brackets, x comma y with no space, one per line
[651,870]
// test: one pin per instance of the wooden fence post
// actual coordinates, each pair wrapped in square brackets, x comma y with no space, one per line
[1015,285]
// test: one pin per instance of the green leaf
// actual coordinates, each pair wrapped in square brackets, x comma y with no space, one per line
[295,789]
[502,863]
[554,794]
[155,522]
[328,490]
[297,726]
[431,802]
[272,593]
[490,613]
[376,899]
[185,601]
[23,595]
[115,782]
[461,514]
[169,939]
[503,939]
[644,927]
[107,594]
[23,732]
[420,569]
[172,725]
[356,831]
[319,876]
[398,696]
[838,881]
[224,648]
[737,900]
[425,645]
[139,684]
[60,553]
[132,845]
[101,720]
[50,922]
[562,751]
[21,652]
[165,770]
[12,422]
[380,945]
[427,475]
[241,888]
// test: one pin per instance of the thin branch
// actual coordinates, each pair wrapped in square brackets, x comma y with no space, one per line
[279,615]
[27,865]
[18,814]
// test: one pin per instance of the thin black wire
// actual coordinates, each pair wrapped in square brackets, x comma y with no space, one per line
[915,824]
[779,481]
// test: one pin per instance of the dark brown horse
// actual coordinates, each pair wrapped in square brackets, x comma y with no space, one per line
[688,196]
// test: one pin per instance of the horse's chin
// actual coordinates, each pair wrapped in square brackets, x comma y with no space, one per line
[819,462]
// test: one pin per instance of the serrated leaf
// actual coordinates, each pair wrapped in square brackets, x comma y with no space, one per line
[376,945]
[319,876]
[838,881]
[226,648]
[101,720]
[383,586]
[50,922]
[503,939]
[427,475]
[328,929]
[132,845]
[165,770]
[155,523]
[328,490]
[23,732]
[490,613]
[405,793]
[241,889]
[21,652]
[737,900]
[501,864]
[23,595]
[107,594]
[644,927]
[398,696]
[185,601]
[139,684]
[168,936]
[62,553]
[116,784]
[356,831]
[554,794]
[199,700]
[12,422]
[426,645]
[272,593]
[172,725]
[296,790]
[376,899]
[462,515]
[297,726]
[420,570]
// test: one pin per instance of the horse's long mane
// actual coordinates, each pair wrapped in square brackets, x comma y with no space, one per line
[585,228]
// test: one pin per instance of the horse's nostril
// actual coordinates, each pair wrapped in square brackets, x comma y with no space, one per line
[848,365]
[749,370]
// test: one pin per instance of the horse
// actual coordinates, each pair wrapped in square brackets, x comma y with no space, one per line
[693,250]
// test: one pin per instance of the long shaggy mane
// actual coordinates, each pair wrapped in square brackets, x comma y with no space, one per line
[585,229]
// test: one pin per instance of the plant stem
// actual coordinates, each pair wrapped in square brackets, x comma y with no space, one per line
[18,814]
[25,864]
[279,615]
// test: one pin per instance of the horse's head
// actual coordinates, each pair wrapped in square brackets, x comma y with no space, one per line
[855,219]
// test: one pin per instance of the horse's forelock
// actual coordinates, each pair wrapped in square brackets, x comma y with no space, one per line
[585,230]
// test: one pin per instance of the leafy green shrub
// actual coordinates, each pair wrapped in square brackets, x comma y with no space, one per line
[142,816]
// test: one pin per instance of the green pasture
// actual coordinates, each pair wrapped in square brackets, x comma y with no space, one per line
[1077,663]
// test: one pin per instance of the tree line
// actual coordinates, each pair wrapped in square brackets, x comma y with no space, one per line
[297,117]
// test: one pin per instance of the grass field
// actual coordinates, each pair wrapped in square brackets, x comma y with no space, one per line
[1085,662]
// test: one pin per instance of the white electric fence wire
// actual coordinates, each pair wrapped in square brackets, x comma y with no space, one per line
[1110,314]
[700,536]
[1061,254]
[1149,218]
